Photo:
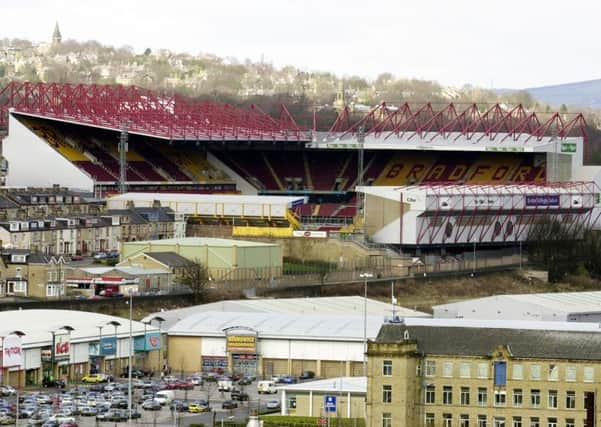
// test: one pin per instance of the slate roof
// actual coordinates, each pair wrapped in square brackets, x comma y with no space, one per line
[481,342]
[170,259]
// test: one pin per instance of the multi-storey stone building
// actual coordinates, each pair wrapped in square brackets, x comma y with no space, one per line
[453,372]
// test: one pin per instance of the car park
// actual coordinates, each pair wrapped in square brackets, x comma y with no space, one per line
[287,379]
[198,407]
[94,378]
[179,405]
[306,375]
[6,390]
[152,405]
[273,404]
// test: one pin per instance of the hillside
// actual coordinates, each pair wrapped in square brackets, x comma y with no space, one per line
[586,94]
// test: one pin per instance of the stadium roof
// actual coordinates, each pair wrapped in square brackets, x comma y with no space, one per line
[279,325]
[337,384]
[37,324]
[322,306]
[559,304]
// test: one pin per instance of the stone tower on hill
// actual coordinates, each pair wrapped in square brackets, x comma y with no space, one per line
[56,35]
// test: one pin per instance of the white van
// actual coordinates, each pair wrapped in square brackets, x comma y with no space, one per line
[266,387]
[164,397]
[225,385]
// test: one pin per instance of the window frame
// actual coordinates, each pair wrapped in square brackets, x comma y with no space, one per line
[387,368]
[386,393]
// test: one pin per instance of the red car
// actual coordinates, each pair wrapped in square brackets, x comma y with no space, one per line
[184,385]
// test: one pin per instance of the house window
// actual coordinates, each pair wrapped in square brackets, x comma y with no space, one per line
[500,398]
[553,372]
[517,397]
[447,395]
[552,399]
[518,372]
[570,373]
[386,419]
[447,369]
[571,400]
[499,422]
[465,370]
[464,420]
[430,368]
[387,368]
[482,370]
[386,394]
[447,420]
[465,395]
[535,372]
[551,422]
[535,398]
[430,394]
[570,422]
[589,374]
[534,422]
[482,396]
[429,420]
[482,421]
[517,422]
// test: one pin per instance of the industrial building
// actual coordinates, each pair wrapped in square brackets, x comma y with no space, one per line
[223,258]
[560,306]
[307,399]
[276,336]
[458,372]
[68,344]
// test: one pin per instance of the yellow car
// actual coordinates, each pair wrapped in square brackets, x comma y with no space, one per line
[195,408]
[93,378]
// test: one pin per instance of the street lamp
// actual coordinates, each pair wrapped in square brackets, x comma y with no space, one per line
[115,324]
[131,350]
[163,350]
[365,276]
[100,367]
[66,328]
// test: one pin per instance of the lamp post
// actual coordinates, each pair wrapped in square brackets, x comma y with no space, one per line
[100,368]
[129,358]
[365,276]
[115,324]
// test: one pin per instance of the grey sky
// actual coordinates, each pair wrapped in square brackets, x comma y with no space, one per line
[510,43]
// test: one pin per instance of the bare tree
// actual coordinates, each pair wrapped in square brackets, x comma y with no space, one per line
[195,277]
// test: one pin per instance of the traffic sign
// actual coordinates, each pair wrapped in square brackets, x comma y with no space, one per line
[329,403]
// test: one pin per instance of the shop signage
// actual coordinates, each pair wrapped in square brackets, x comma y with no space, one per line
[12,351]
[108,346]
[149,342]
[543,200]
[241,343]
[62,346]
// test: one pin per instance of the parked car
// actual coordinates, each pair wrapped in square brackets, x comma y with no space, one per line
[195,380]
[135,373]
[240,396]
[246,380]
[151,405]
[287,379]
[178,405]
[101,255]
[53,383]
[273,404]
[6,390]
[229,404]
[94,378]
[306,375]
[199,406]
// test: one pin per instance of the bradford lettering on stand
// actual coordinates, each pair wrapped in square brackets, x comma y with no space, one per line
[12,351]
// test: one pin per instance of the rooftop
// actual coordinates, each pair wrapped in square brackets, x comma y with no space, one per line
[479,338]
[201,241]
[337,384]
[323,306]
[37,324]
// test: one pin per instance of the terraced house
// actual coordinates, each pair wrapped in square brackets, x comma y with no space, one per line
[484,373]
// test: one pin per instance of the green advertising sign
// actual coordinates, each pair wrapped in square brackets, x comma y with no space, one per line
[568,147]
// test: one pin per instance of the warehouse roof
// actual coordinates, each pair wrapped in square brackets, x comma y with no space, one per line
[134,271]
[338,384]
[202,241]
[37,324]
[279,325]
[170,259]
[346,305]
[459,337]
[560,302]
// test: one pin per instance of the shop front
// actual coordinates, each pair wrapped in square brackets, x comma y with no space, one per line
[241,345]
[144,347]
[217,364]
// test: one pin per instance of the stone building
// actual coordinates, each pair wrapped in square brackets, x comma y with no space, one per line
[453,372]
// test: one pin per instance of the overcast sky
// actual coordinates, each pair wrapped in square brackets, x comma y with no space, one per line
[500,43]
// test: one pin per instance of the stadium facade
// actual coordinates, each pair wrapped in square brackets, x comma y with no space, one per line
[430,176]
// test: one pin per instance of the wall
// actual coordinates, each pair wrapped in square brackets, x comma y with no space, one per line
[184,353]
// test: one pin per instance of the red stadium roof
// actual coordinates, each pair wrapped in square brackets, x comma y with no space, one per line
[146,112]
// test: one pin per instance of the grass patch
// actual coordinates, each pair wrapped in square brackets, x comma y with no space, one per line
[298,266]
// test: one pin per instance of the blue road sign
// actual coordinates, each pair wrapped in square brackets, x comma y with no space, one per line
[329,403]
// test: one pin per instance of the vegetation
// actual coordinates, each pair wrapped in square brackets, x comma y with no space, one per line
[297,266]
[284,421]
[195,277]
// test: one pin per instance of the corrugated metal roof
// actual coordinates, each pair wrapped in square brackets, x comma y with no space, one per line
[346,305]
[337,384]
[37,324]
[560,302]
[279,325]
[202,241]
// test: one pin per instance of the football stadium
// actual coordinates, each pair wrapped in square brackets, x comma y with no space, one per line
[416,177]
